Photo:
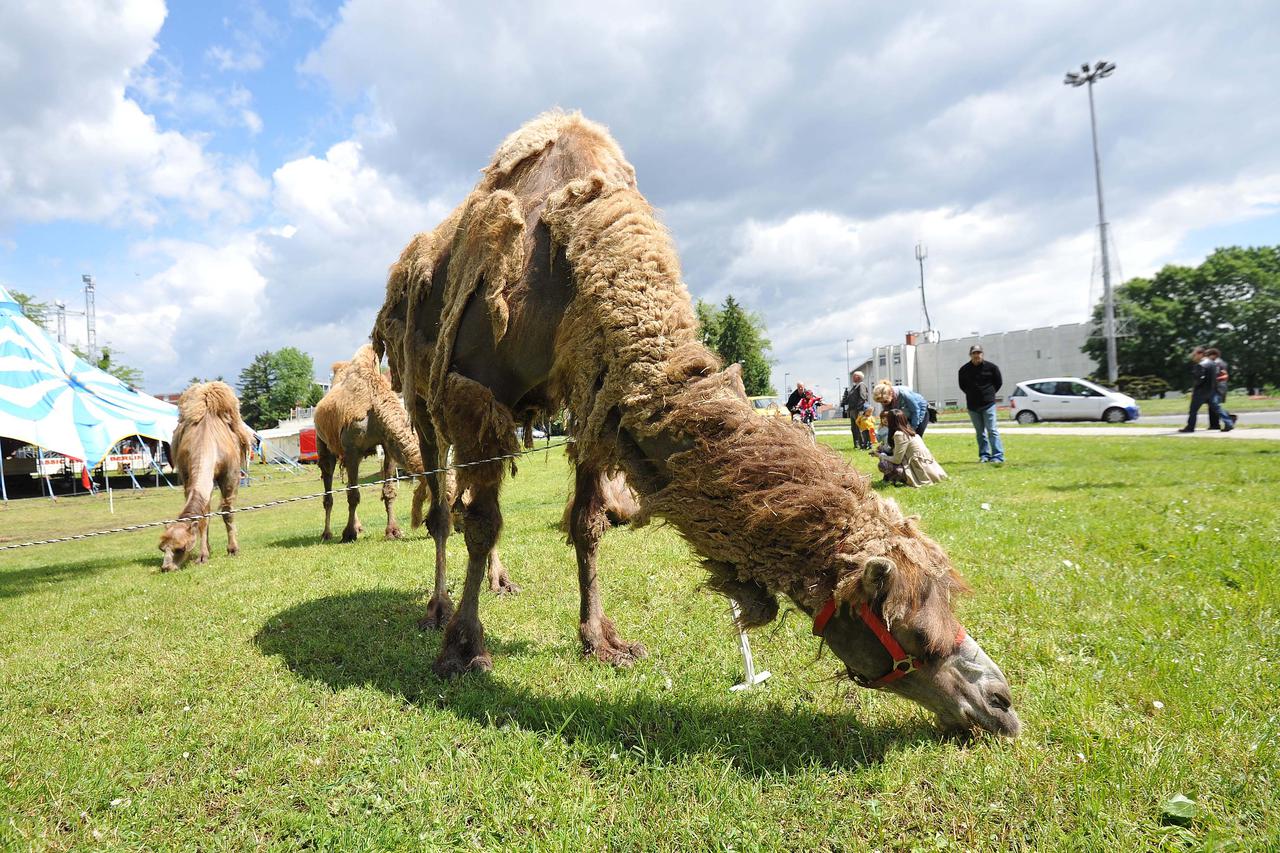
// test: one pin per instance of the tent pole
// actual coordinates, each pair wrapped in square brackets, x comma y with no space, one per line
[106,478]
[43,476]
[4,490]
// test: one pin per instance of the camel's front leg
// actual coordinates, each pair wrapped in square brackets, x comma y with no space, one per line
[440,607]
[327,462]
[352,465]
[587,524]
[464,647]
[389,495]
[204,540]
[228,487]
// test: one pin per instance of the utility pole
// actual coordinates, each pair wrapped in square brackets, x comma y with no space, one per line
[90,320]
[847,367]
[61,308]
[1076,79]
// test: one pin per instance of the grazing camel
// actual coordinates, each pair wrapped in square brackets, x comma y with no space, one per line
[209,446]
[554,285]
[361,412]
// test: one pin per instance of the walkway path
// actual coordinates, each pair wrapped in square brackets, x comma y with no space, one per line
[1267,433]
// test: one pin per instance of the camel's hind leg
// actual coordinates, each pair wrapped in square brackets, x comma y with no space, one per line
[352,466]
[587,523]
[440,607]
[203,533]
[327,462]
[228,485]
[389,494]
[464,647]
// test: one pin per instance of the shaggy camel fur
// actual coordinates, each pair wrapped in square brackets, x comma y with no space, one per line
[554,284]
[361,412]
[209,446]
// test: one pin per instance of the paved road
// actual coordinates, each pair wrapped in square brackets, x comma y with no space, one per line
[1245,417]
[1266,434]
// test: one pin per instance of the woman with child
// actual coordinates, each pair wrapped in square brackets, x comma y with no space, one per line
[903,458]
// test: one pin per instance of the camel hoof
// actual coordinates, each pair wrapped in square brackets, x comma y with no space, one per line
[439,611]
[350,535]
[504,586]
[202,559]
[231,552]
[394,533]
[606,646]
[326,536]
[450,665]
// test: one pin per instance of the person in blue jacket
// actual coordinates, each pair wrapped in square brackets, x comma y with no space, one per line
[915,407]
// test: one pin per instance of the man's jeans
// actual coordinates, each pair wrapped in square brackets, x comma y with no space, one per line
[990,448]
[1218,417]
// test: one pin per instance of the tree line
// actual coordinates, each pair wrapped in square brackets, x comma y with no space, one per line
[1231,301]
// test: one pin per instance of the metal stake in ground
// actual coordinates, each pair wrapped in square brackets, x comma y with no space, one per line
[748,663]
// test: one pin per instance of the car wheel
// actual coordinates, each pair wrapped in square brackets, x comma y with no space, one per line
[1027,417]
[1115,416]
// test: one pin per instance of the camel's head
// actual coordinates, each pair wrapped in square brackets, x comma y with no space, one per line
[944,669]
[176,544]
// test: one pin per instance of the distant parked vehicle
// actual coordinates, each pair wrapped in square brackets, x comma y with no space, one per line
[1069,398]
[768,407]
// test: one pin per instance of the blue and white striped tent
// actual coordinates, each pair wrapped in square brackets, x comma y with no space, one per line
[55,400]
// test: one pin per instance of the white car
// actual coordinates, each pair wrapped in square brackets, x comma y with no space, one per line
[1069,398]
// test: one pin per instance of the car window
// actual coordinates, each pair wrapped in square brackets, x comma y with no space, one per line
[1019,392]
[1080,390]
[1065,389]
[1044,387]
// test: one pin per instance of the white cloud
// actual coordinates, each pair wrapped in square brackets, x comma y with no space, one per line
[313,279]
[73,145]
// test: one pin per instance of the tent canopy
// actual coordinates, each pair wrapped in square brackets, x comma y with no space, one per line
[51,398]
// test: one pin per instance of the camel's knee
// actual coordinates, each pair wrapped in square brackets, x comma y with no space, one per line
[438,521]
[483,526]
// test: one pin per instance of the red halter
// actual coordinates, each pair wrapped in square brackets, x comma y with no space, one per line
[903,663]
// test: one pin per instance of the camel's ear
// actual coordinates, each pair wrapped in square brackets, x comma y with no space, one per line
[877,576]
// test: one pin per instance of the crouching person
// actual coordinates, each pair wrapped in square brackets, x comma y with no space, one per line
[904,459]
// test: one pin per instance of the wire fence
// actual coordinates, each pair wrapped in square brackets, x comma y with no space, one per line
[282,501]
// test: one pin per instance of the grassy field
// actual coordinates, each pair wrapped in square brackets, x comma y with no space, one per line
[285,698]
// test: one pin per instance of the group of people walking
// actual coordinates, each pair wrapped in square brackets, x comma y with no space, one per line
[1209,377]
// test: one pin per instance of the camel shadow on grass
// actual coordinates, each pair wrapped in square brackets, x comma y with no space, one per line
[370,638]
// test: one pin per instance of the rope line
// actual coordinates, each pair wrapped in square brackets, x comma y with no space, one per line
[280,502]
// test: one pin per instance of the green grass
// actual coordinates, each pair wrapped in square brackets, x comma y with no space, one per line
[285,698]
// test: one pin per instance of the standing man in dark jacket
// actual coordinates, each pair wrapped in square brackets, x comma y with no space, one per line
[856,400]
[980,380]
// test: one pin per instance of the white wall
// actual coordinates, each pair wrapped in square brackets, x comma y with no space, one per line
[930,368]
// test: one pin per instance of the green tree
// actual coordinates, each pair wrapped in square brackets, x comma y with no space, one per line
[273,384]
[31,309]
[1231,301]
[737,336]
[254,385]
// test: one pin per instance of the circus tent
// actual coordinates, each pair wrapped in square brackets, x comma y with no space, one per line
[55,400]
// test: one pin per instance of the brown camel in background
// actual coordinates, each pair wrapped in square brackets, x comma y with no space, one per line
[360,413]
[209,447]
[554,285]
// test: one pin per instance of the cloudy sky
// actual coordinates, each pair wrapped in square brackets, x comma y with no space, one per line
[238,175]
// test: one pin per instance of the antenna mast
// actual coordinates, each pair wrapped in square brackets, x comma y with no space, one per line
[922,252]
[90,320]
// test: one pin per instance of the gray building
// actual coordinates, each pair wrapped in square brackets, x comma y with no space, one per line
[930,366]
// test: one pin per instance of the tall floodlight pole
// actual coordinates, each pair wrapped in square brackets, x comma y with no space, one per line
[1076,79]
[847,367]
[90,319]
[61,308]
[922,252]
